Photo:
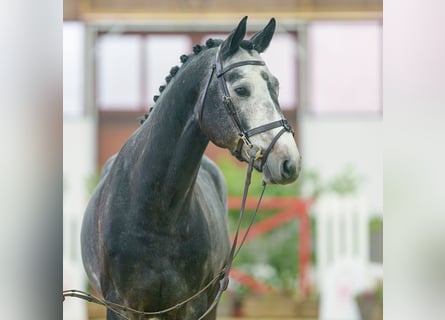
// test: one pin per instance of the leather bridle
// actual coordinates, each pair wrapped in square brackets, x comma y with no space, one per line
[243,135]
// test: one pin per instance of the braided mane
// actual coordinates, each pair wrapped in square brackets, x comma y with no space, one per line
[197,49]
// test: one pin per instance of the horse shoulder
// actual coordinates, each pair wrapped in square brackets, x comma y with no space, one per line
[91,241]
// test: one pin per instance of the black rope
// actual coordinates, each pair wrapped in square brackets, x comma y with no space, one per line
[252,219]
[110,305]
[224,282]
[223,275]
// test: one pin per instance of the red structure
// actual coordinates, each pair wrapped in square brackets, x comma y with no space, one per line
[289,208]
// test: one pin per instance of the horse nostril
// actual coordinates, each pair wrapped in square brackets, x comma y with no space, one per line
[289,169]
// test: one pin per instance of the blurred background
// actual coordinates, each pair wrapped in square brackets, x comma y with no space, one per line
[317,249]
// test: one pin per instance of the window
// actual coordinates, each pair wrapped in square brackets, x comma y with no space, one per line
[281,59]
[131,67]
[73,68]
[344,67]
[118,72]
[162,53]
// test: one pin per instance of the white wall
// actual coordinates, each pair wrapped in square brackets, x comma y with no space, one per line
[329,144]
[79,154]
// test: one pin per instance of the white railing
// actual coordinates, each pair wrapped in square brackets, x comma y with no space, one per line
[342,244]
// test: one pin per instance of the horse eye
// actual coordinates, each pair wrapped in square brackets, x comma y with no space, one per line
[242,91]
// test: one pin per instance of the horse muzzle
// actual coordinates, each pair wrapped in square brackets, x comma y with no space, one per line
[283,165]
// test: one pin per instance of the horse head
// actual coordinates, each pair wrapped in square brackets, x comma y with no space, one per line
[239,107]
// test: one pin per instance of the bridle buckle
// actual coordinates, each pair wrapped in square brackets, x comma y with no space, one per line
[288,127]
[255,152]
[245,140]
[227,100]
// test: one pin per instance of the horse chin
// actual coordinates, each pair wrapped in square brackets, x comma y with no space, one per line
[270,180]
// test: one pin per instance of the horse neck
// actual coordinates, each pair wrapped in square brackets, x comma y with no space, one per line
[172,143]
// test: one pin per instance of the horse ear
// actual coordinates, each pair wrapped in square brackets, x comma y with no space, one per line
[262,38]
[231,44]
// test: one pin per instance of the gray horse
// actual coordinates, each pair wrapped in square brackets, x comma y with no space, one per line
[155,230]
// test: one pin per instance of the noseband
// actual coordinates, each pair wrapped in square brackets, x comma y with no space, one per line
[244,135]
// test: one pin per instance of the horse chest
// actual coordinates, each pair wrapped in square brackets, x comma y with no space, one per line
[150,245]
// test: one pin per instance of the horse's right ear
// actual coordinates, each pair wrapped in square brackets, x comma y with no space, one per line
[231,44]
[261,39]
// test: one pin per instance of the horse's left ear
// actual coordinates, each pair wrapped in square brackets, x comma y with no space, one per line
[231,44]
[262,38]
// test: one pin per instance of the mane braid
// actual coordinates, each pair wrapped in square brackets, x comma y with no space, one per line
[197,49]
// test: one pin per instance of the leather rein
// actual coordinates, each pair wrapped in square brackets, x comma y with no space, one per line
[253,153]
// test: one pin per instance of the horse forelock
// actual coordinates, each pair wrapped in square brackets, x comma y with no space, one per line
[197,49]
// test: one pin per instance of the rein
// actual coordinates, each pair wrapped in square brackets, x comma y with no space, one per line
[222,276]
[224,280]
[254,152]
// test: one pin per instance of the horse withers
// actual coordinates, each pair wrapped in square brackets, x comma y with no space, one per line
[155,230]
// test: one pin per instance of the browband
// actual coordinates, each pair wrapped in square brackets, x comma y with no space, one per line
[220,72]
